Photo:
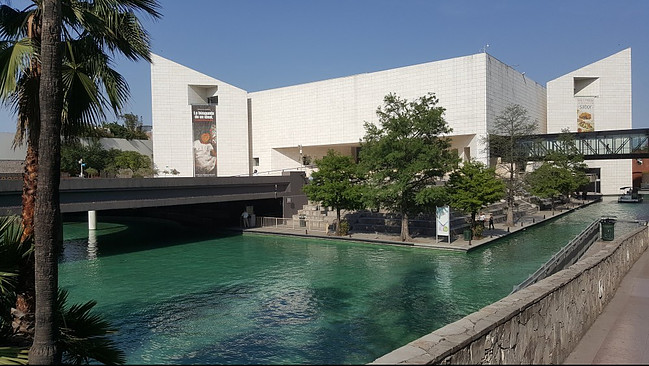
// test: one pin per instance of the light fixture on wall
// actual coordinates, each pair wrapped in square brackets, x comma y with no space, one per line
[638,161]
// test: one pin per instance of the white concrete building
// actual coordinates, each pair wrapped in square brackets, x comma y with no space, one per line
[271,130]
[603,91]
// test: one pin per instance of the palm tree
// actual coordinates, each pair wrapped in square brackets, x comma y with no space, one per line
[47,214]
[84,336]
[91,33]
[87,33]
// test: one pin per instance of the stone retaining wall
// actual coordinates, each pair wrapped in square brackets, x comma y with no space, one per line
[540,324]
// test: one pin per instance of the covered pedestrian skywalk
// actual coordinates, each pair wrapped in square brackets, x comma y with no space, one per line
[612,144]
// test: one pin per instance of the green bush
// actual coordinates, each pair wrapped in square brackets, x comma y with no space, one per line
[344,227]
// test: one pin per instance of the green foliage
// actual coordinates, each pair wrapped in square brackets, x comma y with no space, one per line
[93,155]
[14,356]
[336,183]
[510,125]
[83,335]
[98,159]
[343,227]
[13,252]
[474,186]
[406,153]
[562,172]
[131,160]
[131,130]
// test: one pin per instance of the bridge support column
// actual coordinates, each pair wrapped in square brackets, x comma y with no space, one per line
[92,220]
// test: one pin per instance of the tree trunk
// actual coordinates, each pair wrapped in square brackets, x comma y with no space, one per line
[23,316]
[337,221]
[47,217]
[405,233]
[510,196]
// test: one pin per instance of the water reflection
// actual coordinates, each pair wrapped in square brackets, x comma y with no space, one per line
[92,244]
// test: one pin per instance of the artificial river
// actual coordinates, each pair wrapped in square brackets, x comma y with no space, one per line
[178,296]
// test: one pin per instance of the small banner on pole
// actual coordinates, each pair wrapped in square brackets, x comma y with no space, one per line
[443,216]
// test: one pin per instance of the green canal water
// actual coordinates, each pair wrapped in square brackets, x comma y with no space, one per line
[178,296]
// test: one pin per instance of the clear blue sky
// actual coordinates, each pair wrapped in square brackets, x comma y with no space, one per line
[263,44]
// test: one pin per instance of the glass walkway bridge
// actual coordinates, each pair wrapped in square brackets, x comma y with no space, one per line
[612,144]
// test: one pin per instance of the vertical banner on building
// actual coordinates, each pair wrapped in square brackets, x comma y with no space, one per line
[443,218]
[585,114]
[204,129]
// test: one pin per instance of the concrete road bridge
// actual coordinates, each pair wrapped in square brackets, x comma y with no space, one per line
[83,194]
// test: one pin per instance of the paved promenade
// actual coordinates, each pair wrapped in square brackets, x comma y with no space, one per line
[620,335]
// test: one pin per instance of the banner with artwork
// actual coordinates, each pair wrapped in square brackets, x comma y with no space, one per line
[585,114]
[443,216]
[204,141]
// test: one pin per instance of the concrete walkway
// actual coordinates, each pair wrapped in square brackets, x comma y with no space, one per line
[620,335]
[457,242]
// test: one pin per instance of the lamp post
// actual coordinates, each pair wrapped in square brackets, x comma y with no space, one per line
[81,164]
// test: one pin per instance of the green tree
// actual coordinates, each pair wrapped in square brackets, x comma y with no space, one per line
[131,160]
[93,155]
[508,127]
[474,186]
[336,183]
[89,83]
[406,153]
[568,156]
[548,181]
[131,130]
[562,172]
[65,45]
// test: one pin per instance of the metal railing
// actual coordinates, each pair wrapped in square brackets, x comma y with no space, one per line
[293,224]
[565,257]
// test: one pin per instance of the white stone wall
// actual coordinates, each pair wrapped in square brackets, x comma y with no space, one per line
[610,92]
[171,99]
[606,86]
[332,112]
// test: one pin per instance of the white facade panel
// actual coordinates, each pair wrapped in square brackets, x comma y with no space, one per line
[602,90]
[606,84]
[173,89]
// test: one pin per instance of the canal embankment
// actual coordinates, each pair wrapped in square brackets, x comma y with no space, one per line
[456,243]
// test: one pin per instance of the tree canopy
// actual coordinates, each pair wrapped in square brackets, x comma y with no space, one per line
[474,186]
[510,125]
[336,183]
[406,153]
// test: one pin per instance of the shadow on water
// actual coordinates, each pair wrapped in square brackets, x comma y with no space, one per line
[119,235]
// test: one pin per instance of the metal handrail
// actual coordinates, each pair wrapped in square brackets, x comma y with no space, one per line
[293,224]
[567,256]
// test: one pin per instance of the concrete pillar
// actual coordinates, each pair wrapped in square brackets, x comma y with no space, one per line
[92,220]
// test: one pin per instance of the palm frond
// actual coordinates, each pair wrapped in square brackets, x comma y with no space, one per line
[84,335]
[14,58]
[14,356]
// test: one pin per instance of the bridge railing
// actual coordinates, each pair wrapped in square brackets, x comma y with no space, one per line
[292,224]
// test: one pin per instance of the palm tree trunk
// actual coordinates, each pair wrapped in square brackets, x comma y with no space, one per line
[47,221]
